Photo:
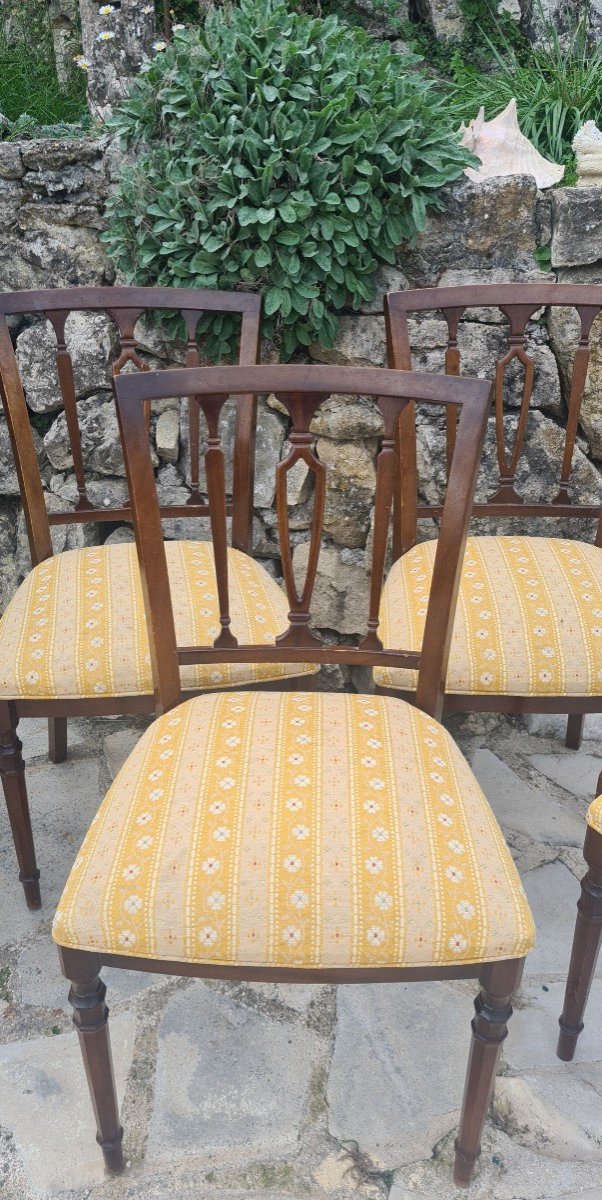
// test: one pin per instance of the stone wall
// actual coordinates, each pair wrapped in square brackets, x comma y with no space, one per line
[52,196]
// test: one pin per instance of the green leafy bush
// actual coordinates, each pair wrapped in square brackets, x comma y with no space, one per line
[277,152]
[557,87]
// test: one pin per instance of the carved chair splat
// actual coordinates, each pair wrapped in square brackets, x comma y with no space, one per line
[261,796]
[518,676]
[52,663]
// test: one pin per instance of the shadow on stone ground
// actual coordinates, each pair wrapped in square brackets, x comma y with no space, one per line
[232,1091]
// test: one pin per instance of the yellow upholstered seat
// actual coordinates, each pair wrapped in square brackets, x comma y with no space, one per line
[76,627]
[296,829]
[594,814]
[528,621]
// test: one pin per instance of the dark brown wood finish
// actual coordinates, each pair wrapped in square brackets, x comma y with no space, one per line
[124,306]
[518,303]
[586,944]
[301,390]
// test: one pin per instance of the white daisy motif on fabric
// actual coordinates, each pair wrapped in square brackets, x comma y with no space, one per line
[291,935]
[216,807]
[301,832]
[377,785]
[303,739]
[383,900]
[155,794]
[445,798]
[144,843]
[454,874]
[295,759]
[375,935]
[227,783]
[216,900]
[373,743]
[299,899]
[127,938]
[131,872]
[486,678]
[380,834]
[144,818]
[456,846]
[292,863]
[211,865]
[366,761]
[233,741]
[374,865]
[465,909]
[207,936]
[371,806]
[302,780]
[293,804]
[222,833]
[457,943]
[223,761]
[132,904]
[444,819]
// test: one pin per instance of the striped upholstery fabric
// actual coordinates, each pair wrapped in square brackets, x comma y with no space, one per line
[594,815]
[76,627]
[528,621]
[296,829]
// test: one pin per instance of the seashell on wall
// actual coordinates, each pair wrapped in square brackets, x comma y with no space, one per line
[504,150]
[587,144]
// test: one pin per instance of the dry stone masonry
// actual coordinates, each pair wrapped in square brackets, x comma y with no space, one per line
[52,198]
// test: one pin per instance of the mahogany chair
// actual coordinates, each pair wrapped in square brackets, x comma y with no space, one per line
[587,936]
[73,640]
[297,837]
[527,634]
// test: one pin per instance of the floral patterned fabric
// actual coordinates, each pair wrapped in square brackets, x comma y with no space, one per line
[76,627]
[296,829]
[594,815]
[528,621]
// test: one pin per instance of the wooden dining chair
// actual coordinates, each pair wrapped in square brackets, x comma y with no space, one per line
[528,629]
[300,837]
[73,639]
[587,936]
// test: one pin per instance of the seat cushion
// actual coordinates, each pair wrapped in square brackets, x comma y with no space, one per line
[76,627]
[528,621]
[594,814]
[296,829]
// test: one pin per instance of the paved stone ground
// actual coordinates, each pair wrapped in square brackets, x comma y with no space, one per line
[281,1093]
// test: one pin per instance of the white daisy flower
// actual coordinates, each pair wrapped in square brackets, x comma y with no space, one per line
[383,901]
[465,909]
[454,874]
[456,846]
[144,843]
[444,819]
[207,936]
[211,865]
[375,935]
[294,804]
[222,833]
[301,832]
[292,863]
[371,806]
[216,900]
[133,904]
[144,818]
[380,834]
[127,938]
[158,47]
[291,935]
[299,899]
[374,865]
[216,807]
[457,943]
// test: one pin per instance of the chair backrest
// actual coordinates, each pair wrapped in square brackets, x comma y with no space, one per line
[518,304]
[124,306]
[301,389]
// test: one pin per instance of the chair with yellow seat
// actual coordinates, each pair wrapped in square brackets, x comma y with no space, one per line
[73,640]
[528,628]
[304,836]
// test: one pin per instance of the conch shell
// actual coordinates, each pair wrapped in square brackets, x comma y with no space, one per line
[587,144]
[504,150]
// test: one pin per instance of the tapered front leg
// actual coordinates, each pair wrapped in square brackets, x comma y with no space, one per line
[489,1028]
[586,946]
[574,730]
[57,739]
[90,1017]
[12,770]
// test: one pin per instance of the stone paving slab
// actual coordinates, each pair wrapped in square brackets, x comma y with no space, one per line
[552,892]
[398,1067]
[44,1101]
[576,773]
[533,1031]
[520,808]
[230,1081]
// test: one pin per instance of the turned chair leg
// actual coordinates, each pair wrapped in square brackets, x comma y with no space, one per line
[489,1028]
[586,944]
[57,739]
[574,730]
[12,770]
[90,1017]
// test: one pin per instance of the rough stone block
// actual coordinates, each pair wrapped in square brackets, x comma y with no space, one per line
[340,597]
[577,226]
[90,339]
[576,773]
[552,893]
